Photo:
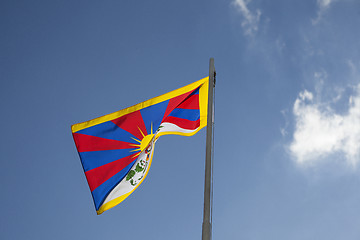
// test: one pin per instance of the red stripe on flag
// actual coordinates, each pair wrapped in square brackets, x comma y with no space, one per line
[183,123]
[99,175]
[131,123]
[87,143]
[192,102]
[174,102]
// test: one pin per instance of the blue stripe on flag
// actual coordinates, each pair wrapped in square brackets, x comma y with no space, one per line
[190,114]
[94,159]
[153,115]
[101,192]
[109,130]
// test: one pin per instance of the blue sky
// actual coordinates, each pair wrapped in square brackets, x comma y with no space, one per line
[287,118]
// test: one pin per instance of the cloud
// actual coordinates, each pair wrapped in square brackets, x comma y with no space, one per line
[321,133]
[323,6]
[251,20]
[283,130]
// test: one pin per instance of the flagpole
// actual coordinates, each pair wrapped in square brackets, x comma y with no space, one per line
[207,217]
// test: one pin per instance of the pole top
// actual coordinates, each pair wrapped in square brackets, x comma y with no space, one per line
[212,71]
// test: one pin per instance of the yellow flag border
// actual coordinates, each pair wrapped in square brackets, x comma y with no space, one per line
[203,107]
[118,200]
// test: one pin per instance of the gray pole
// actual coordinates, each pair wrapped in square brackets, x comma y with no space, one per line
[206,227]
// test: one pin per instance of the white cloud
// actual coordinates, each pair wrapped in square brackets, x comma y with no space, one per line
[323,6]
[352,66]
[283,130]
[321,133]
[251,19]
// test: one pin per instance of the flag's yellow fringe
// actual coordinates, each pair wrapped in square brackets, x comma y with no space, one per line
[203,104]
[155,100]
[118,200]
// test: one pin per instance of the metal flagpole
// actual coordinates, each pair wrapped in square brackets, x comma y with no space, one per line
[207,220]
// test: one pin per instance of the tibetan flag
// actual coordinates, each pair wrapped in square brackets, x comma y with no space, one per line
[116,150]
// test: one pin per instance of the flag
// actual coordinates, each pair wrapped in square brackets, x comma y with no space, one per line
[116,150]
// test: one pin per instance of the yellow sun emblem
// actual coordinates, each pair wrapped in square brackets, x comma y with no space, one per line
[144,142]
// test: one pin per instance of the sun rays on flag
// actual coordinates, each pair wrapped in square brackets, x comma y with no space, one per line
[143,143]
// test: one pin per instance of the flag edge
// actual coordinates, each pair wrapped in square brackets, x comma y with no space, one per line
[108,117]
